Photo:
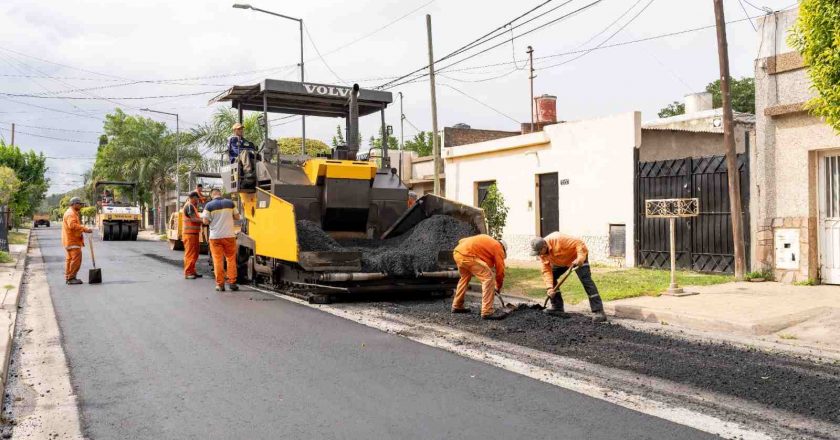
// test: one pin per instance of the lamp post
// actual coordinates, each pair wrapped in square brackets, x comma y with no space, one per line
[177,154]
[300,25]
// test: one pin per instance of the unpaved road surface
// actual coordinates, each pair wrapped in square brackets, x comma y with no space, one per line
[152,355]
[788,383]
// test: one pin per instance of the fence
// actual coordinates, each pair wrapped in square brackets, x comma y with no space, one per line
[704,243]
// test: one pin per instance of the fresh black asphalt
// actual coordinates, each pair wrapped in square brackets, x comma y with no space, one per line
[155,356]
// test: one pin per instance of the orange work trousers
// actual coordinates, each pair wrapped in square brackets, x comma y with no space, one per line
[191,244]
[469,267]
[72,263]
[224,250]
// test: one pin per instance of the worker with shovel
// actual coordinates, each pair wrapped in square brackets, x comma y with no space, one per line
[479,256]
[558,254]
[72,238]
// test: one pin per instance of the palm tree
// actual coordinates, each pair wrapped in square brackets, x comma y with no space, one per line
[213,135]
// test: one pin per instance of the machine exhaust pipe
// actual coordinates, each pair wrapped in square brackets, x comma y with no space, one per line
[439,274]
[353,131]
[351,276]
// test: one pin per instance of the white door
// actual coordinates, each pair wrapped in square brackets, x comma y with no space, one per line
[829,220]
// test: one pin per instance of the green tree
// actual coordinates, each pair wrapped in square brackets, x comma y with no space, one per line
[142,150]
[393,143]
[291,145]
[742,92]
[214,134]
[495,211]
[88,213]
[338,139]
[815,35]
[9,185]
[421,143]
[30,169]
[673,109]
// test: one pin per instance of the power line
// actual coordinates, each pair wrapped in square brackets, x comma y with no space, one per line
[52,128]
[50,109]
[87,98]
[587,52]
[747,14]
[549,23]
[49,137]
[314,46]
[473,43]
[481,102]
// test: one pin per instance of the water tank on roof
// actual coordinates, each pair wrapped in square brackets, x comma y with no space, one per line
[698,102]
[546,108]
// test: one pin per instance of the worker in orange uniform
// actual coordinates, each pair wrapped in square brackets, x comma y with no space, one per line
[191,229]
[199,189]
[558,253]
[478,256]
[73,240]
[220,214]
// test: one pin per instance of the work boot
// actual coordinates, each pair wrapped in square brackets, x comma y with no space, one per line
[190,277]
[599,316]
[198,275]
[461,310]
[220,287]
[495,316]
[233,286]
[556,311]
[74,281]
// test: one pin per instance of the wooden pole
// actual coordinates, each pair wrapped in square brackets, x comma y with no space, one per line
[531,77]
[673,288]
[435,142]
[733,177]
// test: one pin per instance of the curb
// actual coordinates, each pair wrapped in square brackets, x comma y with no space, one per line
[755,328]
[9,305]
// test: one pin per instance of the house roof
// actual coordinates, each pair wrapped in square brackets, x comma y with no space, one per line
[702,121]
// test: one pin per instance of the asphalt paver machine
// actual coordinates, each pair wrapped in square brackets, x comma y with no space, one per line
[346,198]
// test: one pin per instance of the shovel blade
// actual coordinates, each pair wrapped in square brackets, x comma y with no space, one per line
[95,276]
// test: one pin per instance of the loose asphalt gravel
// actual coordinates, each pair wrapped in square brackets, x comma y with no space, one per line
[776,380]
[414,251]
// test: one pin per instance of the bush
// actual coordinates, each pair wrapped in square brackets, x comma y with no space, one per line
[760,274]
[495,212]
[5,257]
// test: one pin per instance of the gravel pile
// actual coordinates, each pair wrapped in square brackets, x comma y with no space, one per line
[414,251]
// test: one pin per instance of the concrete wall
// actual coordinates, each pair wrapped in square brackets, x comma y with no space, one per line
[452,137]
[785,160]
[596,156]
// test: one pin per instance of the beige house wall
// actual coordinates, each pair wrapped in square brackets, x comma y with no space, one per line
[785,163]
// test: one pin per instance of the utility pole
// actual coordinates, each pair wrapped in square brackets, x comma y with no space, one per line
[435,143]
[402,142]
[13,134]
[302,117]
[531,77]
[733,179]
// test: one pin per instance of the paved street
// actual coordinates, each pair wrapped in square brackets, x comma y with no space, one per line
[155,356]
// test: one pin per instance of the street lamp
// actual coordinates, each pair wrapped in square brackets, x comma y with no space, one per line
[300,23]
[177,153]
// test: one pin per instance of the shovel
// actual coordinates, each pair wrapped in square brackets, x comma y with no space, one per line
[94,275]
[560,283]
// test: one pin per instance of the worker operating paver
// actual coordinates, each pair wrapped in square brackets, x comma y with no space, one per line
[73,240]
[558,253]
[478,256]
[237,143]
[191,230]
[220,214]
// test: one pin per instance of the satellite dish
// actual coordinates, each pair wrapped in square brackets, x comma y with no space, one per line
[717,122]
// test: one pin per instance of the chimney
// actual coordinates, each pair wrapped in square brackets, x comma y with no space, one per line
[546,109]
[698,102]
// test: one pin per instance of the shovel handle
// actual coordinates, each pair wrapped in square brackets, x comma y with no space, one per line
[560,283]
[92,255]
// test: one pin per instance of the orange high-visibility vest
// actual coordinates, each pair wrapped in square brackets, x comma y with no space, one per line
[192,222]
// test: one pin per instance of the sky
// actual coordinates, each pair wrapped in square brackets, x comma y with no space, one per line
[175,56]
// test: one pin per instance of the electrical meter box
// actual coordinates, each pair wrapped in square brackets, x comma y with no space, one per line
[787,248]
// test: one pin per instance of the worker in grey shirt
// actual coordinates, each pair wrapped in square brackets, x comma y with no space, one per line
[221,214]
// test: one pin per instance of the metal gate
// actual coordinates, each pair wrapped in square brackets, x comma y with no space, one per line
[704,243]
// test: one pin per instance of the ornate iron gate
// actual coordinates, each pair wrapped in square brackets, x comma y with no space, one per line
[704,243]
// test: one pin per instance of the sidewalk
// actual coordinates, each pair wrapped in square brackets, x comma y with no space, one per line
[11,284]
[792,315]
[148,235]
